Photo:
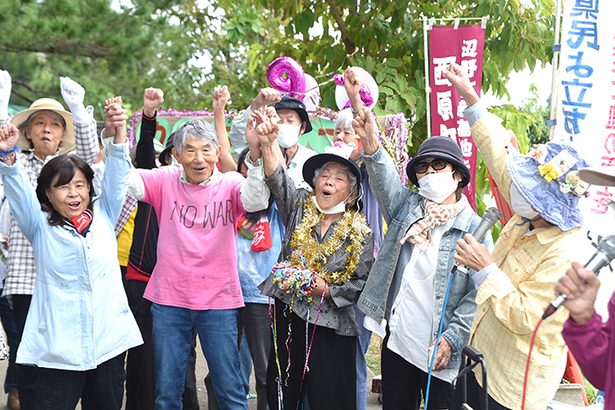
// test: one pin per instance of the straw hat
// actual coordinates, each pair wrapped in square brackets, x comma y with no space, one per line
[46,104]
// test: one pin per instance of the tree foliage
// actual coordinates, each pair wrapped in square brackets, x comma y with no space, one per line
[154,43]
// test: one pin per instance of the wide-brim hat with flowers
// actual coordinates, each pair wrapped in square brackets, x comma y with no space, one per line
[547,177]
[46,104]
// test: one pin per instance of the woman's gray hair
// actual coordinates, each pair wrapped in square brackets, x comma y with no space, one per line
[197,129]
[351,176]
[344,119]
[24,126]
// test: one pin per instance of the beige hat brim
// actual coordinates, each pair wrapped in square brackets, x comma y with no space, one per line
[68,139]
[598,176]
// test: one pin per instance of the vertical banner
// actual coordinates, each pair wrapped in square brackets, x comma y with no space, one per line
[586,106]
[463,45]
[586,110]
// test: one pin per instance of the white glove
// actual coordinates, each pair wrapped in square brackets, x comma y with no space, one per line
[73,95]
[5,94]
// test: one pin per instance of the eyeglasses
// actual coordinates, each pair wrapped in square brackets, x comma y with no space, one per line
[437,164]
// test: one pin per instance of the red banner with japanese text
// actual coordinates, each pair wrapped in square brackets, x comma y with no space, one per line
[463,45]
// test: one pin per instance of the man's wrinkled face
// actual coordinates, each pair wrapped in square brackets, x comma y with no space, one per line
[198,157]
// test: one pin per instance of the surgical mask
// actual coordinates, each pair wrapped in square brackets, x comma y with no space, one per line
[520,205]
[437,186]
[289,135]
[339,208]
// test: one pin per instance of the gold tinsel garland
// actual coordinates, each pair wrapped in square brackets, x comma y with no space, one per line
[313,255]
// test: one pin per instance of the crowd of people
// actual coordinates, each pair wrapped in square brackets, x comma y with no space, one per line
[282,260]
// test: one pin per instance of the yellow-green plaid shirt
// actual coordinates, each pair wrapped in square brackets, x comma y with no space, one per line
[513,297]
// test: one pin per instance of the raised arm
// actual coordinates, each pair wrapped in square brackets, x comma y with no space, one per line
[383,175]
[266,96]
[221,98]
[488,133]
[85,127]
[146,154]
[18,190]
[117,164]
[5,95]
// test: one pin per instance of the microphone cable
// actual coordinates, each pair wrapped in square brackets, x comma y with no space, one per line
[527,364]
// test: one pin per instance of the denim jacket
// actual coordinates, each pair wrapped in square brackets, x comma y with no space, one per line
[401,207]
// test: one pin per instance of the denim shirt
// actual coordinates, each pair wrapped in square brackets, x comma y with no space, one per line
[401,207]
[79,315]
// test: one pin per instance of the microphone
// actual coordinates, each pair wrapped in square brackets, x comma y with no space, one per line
[604,254]
[490,217]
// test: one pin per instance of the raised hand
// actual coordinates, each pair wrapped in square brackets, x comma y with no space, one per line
[5,94]
[581,288]
[459,78]
[266,96]
[152,100]
[221,97]
[73,95]
[352,84]
[116,117]
[364,124]
[267,128]
[8,137]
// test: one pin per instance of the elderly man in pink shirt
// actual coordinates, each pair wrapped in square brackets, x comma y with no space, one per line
[195,283]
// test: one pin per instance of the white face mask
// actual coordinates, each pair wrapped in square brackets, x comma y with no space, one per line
[339,208]
[438,186]
[289,135]
[520,205]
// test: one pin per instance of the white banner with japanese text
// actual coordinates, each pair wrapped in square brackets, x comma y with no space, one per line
[586,102]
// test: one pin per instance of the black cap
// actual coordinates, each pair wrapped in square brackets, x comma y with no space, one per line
[313,163]
[167,149]
[287,103]
[439,147]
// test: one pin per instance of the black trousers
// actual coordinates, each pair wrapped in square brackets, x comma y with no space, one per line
[99,389]
[140,391]
[475,398]
[254,322]
[27,374]
[330,383]
[404,385]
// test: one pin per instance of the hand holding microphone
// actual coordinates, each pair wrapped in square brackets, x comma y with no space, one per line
[469,252]
[578,288]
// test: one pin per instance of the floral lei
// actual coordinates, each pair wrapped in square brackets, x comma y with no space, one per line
[313,255]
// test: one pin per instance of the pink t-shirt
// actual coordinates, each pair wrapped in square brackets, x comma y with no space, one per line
[197,256]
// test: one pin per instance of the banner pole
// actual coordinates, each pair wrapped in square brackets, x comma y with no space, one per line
[555,68]
[427,89]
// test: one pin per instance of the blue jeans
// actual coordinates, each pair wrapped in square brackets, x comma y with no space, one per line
[172,341]
[362,346]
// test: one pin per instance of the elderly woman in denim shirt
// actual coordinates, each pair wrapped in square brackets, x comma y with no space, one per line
[404,293]
[79,324]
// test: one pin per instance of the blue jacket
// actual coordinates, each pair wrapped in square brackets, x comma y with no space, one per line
[255,267]
[401,207]
[79,316]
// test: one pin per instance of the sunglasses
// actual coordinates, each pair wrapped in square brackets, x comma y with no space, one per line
[437,164]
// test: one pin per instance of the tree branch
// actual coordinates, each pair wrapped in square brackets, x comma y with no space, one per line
[27,86]
[348,43]
[62,48]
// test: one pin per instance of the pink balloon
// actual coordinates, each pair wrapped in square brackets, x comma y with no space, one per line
[287,76]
